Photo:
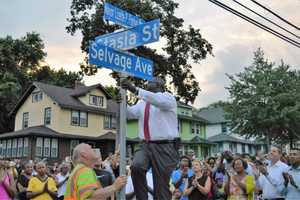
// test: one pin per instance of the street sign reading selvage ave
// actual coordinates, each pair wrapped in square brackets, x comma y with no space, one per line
[133,37]
[120,17]
[102,55]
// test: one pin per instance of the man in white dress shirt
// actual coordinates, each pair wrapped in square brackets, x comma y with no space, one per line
[271,179]
[158,129]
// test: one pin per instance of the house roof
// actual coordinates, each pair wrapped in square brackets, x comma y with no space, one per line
[228,138]
[213,115]
[181,104]
[47,132]
[197,140]
[195,117]
[67,97]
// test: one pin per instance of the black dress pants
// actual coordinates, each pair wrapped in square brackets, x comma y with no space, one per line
[162,158]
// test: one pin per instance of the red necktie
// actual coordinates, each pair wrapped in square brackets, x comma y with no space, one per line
[146,122]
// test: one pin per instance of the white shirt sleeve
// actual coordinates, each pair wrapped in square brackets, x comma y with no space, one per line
[164,101]
[134,111]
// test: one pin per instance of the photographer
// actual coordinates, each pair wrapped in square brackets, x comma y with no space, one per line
[180,176]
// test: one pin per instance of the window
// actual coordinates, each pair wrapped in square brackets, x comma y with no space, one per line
[110,122]
[8,152]
[79,118]
[233,147]
[96,100]
[179,126]
[54,148]
[243,148]
[20,147]
[25,150]
[195,128]
[220,147]
[83,119]
[14,147]
[25,119]
[46,147]
[47,116]
[4,148]
[224,127]
[75,118]
[37,96]
[39,146]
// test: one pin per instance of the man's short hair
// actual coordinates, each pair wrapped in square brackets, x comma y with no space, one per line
[277,147]
[159,80]
[187,158]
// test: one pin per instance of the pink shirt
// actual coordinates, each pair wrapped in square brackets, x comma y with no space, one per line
[3,193]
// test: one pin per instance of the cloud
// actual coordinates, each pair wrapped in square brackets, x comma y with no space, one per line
[234,40]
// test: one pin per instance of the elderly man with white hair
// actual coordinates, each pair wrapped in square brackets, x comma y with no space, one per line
[83,183]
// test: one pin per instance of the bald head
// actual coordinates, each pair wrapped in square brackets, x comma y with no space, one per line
[83,153]
[156,85]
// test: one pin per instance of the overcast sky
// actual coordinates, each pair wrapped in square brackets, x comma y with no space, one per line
[233,39]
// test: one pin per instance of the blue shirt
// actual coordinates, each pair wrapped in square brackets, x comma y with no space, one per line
[176,176]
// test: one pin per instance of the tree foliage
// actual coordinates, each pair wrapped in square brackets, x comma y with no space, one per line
[183,44]
[266,100]
[20,65]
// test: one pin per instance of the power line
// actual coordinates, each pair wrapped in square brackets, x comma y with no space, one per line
[254,22]
[266,19]
[286,21]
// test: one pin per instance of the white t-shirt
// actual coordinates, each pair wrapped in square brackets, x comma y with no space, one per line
[62,189]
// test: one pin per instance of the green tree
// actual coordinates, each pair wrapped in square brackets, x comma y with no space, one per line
[183,44]
[55,77]
[20,65]
[265,101]
[113,91]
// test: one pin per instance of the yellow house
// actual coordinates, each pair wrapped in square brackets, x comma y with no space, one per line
[50,121]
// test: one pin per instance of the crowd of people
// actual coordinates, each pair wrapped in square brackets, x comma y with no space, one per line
[273,176]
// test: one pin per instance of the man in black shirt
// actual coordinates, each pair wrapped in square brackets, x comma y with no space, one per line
[104,177]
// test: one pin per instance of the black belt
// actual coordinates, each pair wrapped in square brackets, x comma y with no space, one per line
[275,199]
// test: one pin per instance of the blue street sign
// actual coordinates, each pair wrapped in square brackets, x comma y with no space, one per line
[133,37]
[107,57]
[120,17]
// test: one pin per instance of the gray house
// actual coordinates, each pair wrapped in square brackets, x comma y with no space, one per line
[218,131]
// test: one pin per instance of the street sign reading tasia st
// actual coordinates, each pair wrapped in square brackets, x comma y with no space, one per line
[133,37]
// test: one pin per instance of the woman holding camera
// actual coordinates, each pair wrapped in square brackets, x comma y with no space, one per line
[199,185]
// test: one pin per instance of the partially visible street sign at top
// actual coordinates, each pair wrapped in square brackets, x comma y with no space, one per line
[121,17]
[107,57]
[127,39]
